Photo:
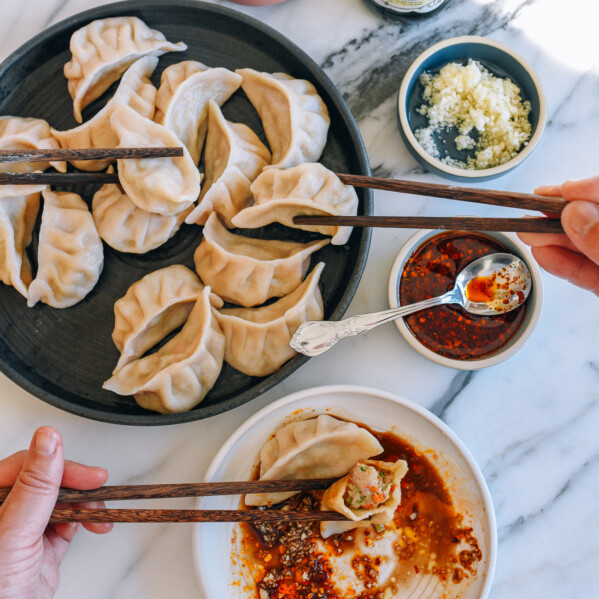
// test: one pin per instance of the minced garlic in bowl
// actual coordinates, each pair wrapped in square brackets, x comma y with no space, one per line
[472,99]
[470,108]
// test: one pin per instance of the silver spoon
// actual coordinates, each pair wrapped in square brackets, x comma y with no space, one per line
[503,279]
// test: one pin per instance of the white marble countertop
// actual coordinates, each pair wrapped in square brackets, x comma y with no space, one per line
[531,423]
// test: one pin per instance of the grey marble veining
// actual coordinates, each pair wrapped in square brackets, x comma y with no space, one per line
[531,422]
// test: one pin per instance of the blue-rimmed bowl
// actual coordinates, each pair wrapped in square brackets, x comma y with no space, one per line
[501,61]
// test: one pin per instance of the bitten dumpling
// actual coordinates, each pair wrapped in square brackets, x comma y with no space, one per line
[125,226]
[258,338]
[321,447]
[19,133]
[161,185]
[295,119]
[103,50]
[70,252]
[370,491]
[179,375]
[307,189]
[153,307]
[183,96]
[248,271]
[134,90]
[234,157]
[19,205]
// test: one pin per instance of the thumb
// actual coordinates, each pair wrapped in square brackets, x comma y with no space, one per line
[28,507]
[581,224]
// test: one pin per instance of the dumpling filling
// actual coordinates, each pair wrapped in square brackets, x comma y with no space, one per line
[367,487]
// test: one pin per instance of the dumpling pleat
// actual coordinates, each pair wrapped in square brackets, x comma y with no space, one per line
[70,253]
[153,307]
[180,374]
[321,447]
[257,339]
[307,189]
[247,271]
[136,91]
[103,50]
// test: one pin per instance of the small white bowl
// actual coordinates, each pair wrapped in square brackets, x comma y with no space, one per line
[221,573]
[534,303]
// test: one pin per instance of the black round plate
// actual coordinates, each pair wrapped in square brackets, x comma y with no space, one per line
[63,356]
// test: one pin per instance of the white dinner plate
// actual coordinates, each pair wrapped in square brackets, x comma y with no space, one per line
[220,576]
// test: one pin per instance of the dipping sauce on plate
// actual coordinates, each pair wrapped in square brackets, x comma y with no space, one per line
[449,330]
[426,537]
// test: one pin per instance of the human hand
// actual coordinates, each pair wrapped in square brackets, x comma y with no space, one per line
[575,255]
[30,549]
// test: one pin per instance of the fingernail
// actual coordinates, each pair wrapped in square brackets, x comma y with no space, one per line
[46,441]
[548,189]
[582,217]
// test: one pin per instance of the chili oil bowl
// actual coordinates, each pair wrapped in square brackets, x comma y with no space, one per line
[500,61]
[517,338]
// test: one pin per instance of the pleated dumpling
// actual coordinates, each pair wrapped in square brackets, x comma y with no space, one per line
[153,307]
[161,185]
[183,96]
[103,50]
[295,119]
[307,189]
[248,271]
[19,205]
[127,228]
[258,338]
[321,447]
[70,252]
[19,133]
[234,157]
[371,492]
[179,375]
[134,90]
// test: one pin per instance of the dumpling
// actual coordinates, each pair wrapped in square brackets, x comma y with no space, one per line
[19,205]
[126,227]
[258,338]
[234,157]
[248,271]
[371,491]
[154,306]
[18,133]
[183,96]
[161,185]
[103,50]
[306,189]
[134,90]
[70,252]
[179,375]
[321,447]
[295,119]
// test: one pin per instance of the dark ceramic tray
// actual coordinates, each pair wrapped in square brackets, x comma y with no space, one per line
[63,356]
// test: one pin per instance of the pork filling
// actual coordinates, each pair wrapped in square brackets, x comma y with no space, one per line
[367,487]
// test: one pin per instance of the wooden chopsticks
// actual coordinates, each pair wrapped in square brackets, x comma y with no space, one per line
[511,199]
[56,178]
[131,492]
[115,515]
[87,154]
[553,206]
[10,156]
[166,491]
[516,225]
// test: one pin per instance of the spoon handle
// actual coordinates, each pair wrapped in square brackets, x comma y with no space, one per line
[356,325]
[315,337]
